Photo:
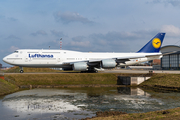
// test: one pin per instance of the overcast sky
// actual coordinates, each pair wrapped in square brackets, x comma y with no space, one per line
[86,25]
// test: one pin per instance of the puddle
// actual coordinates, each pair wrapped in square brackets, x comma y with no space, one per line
[77,103]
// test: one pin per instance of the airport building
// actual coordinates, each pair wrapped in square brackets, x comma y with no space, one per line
[170,61]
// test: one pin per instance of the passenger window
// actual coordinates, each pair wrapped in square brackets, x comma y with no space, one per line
[15,51]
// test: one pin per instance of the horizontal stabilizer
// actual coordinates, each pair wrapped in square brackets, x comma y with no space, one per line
[167,53]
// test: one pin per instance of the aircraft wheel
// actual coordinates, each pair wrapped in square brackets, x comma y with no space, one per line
[95,71]
[21,71]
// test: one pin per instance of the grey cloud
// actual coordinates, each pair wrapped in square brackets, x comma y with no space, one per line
[78,38]
[9,44]
[115,38]
[112,41]
[12,37]
[109,42]
[57,34]
[121,41]
[175,3]
[40,32]
[13,48]
[69,17]
[80,41]
[53,44]
[11,40]
[12,19]
[2,16]
[156,1]
[8,18]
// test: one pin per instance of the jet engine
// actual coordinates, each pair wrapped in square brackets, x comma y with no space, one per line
[80,66]
[108,63]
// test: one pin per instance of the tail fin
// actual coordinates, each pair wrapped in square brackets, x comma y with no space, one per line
[154,44]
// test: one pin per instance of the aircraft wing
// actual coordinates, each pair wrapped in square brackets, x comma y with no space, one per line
[71,63]
[99,60]
[124,59]
[153,55]
[119,59]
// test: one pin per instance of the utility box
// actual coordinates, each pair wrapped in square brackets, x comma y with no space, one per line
[127,80]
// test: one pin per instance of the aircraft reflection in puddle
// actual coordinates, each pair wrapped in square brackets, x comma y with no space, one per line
[41,100]
[62,101]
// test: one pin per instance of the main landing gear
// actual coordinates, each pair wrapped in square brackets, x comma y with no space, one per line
[21,70]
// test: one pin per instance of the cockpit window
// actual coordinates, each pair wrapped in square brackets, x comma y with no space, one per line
[15,51]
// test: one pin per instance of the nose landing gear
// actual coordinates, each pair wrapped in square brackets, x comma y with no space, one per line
[21,70]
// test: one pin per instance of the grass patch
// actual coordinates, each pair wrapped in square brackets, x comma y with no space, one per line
[6,87]
[67,79]
[39,70]
[166,80]
[64,79]
[13,70]
[171,114]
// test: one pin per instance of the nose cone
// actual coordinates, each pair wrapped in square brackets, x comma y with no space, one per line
[5,59]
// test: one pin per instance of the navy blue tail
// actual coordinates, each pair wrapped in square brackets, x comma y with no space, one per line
[154,44]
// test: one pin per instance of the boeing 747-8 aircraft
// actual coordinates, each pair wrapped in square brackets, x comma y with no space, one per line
[84,61]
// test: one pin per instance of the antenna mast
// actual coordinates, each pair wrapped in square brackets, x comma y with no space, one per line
[61,44]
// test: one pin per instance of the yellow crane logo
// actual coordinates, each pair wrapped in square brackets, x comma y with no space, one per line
[156,42]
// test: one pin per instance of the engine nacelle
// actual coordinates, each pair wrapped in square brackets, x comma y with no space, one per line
[80,66]
[109,63]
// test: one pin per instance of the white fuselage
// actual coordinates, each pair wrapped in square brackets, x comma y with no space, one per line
[59,58]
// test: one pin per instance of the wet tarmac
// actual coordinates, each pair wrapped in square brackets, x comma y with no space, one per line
[77,103]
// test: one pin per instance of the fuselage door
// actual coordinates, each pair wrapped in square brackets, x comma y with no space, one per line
[59,59]
[26,59]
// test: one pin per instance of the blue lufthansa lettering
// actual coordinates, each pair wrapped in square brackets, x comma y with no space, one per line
[40,56]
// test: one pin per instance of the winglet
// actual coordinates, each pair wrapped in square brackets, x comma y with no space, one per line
[154,45]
